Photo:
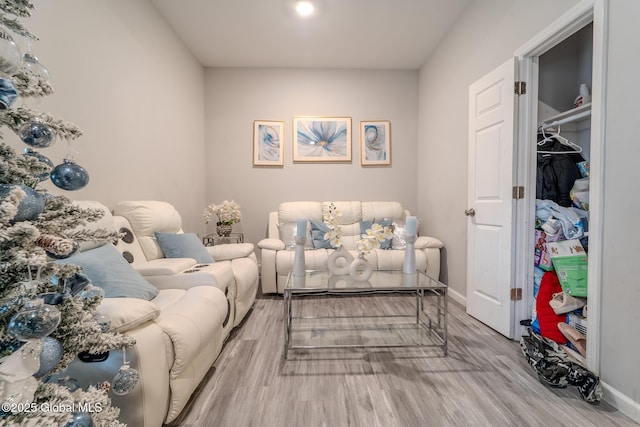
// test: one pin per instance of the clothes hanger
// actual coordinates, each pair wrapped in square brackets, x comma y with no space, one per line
[561,139]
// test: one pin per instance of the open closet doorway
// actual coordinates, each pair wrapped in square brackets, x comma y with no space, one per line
[504,283]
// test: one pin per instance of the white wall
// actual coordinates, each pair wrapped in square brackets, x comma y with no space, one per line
[237,97]
[486,35]
[124,78]
[620,351]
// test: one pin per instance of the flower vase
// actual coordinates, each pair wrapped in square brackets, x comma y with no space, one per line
[224,230]
[360,270]
[339,261]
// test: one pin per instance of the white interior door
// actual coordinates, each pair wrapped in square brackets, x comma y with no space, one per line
[490,199]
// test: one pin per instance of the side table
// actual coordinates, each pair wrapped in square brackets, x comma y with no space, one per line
[214,239]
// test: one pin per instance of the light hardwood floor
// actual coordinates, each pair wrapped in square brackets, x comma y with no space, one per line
[484,381]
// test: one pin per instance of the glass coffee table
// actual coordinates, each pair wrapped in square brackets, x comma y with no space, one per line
[409,310]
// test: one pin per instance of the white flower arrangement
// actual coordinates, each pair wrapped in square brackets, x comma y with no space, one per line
[228,212]
[330,218]
[373,237]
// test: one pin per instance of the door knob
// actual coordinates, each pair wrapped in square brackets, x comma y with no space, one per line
[470,212]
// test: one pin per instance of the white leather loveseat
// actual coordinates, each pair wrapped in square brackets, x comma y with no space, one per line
[277,249]
[181,329]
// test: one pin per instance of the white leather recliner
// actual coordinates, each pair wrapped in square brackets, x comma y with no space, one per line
[235,270]
[277,254]
[181,331]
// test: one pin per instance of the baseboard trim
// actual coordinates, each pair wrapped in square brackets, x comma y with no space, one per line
[621,402]
[457,297]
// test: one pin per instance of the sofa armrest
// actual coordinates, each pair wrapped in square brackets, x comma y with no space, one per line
[424,242]
[126,314]
[230,251]
[165,266]
[273,244]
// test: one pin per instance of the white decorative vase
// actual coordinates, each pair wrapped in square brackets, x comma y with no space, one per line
[410,256]
[299,267]
[360,270]
[339,261]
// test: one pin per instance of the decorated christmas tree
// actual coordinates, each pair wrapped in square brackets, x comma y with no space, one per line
[47,306]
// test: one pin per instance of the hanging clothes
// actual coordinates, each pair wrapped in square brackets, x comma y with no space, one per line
[557,173]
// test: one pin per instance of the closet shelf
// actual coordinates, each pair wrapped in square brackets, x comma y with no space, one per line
[577,114]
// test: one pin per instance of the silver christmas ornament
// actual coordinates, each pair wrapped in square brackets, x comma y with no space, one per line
[35,320]
[36,134]
[10,55]
[49,357]
[32,66]
[125,380]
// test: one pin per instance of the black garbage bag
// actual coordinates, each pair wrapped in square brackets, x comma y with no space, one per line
[556,369]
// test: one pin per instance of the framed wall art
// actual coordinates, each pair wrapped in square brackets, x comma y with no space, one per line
[268,147]
[375,143]
[322,139]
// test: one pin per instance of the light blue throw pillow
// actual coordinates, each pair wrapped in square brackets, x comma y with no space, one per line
[318,230]
[183,245]
[105,267]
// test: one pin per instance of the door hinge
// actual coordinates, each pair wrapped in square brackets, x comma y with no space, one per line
[520,88]
[518,192]
[516,294]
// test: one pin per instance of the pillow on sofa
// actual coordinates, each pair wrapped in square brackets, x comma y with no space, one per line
[127,313]
[318,230]
[288,231]
[366,225]
[183,245]
[399,240]
[106,268]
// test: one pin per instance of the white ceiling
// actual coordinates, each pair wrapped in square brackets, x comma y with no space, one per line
[369,34]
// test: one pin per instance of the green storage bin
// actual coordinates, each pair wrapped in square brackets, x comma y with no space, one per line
[572,274]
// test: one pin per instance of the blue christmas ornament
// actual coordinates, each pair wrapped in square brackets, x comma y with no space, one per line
[43,159]
[36,134]
[49,357]
[80,419]
[30,207]
[69,176]
[36,320]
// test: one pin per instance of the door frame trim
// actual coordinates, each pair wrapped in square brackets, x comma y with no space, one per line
[583,13]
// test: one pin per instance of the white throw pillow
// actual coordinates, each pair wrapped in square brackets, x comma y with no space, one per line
[127,313]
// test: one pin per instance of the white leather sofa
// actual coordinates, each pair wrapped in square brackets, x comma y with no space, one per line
[277,251]
[181,331]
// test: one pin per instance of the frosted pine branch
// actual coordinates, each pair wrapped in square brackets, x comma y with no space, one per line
[21,8]
[14,118]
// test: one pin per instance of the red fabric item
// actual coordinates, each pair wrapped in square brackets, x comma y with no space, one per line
[548,318]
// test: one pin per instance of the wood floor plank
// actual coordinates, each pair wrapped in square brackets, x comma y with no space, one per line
[484,381]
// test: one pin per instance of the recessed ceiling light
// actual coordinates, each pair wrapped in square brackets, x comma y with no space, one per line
[304,8]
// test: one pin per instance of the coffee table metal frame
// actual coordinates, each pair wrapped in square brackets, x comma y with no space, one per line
[323,283]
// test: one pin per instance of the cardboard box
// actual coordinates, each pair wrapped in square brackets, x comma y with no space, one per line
[571,263]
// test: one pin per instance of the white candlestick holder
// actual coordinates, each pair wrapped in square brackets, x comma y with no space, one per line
[299,268]
[410,255]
